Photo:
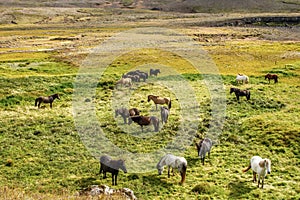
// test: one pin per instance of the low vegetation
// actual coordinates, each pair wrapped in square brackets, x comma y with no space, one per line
[43,155]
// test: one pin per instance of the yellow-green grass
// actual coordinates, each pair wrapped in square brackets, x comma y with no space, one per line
[43,156]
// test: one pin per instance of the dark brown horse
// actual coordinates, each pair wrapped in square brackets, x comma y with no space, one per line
[145,121]
[239,93]
[272,76]
[112,166]
[160,100]
[48,99]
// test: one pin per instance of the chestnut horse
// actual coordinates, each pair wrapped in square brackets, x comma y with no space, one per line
[272,76]
[48,99]
[160,100]
[145,121]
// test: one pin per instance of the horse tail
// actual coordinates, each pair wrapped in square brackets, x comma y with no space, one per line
[170,104]
[183,173]
[245,170]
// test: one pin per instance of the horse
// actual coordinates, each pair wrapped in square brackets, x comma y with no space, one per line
[204,147]
[154,72]
[125,113]
[164,114]
[272,76]
[160,100]
[239,93]
[174,162]
[122,112]
[259,166]
[240,78]
[145,121]
[124,82]
[112,166]
[48,99]
[133,112]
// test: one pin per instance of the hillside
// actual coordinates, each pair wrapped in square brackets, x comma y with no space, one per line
[185,6]
[50,154]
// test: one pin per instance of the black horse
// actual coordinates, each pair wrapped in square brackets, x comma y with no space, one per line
[112,166]
[154,72]
[48,99]
[239,93]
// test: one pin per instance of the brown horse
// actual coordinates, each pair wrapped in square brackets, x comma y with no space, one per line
[48,99]
[239,93]
[160,100]
[272,76]
[145,121]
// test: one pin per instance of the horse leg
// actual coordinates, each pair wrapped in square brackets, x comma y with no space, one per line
[113,179]
[156,106]
[254,177]
[237,97]
[262,182]
[50,104]
[203,160]
[39,104]
[168,171]
[258,180]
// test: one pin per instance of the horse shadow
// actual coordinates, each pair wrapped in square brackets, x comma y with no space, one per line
[86,182]
[159,180]
[238,189]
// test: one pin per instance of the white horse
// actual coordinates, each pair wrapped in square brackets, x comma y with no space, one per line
[175,162]
[259,166]
[240,78]
[124,82]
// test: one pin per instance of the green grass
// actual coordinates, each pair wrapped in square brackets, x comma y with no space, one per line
[43,155]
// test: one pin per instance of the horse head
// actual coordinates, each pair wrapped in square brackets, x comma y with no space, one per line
[117,112]
[231,90]
[122,166]
[55,96]
[149,98]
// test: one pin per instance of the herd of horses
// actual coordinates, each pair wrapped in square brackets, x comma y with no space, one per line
[240,78]
[259,166]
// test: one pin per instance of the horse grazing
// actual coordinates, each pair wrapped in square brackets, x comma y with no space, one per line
[240,78]
[124,82]
[145,121]
[112,166]
[272,76]
[48,99]
[154,72]
[174,162]
[204,147]
[160,100]
[259,166]
[164,114]
[239,93]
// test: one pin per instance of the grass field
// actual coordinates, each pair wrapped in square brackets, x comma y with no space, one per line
[44,157]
